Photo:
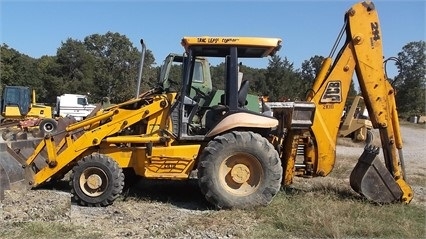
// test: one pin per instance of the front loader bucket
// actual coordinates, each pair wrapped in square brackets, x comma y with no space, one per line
[14,175]
[371,178]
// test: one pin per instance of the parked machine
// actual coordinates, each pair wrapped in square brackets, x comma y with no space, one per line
[20,112]
[74,105]
[356,122]
[241,157]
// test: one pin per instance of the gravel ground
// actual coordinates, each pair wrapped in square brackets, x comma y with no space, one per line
[156,209]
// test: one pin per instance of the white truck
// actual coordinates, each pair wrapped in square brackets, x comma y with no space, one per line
[74,105]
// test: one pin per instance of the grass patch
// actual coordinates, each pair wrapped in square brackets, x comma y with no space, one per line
[343,166]
[329,208]
[321,214]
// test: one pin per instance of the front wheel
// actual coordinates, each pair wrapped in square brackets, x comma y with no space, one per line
[239,170]
[96,180]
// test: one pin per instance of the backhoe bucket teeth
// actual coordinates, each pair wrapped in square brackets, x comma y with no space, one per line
[371,178]
[14,175]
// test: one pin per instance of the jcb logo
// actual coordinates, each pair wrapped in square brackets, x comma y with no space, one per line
[375,31]
[333,93]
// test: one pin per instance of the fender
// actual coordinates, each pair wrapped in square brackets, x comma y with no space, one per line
[243,119]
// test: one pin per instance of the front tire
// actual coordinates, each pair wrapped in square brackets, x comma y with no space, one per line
[96,181]
[239,170]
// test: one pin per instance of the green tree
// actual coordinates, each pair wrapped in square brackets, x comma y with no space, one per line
[20,70]
[51,75]
[116,63]
[309,70]
[255,76]
[76,67]
[281,80]
[410,83]
[218,76]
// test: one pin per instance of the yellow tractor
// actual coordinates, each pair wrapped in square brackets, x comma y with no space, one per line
[241,157]
[20,114]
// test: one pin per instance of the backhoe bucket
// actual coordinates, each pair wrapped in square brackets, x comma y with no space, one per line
[13,176]
[371,178]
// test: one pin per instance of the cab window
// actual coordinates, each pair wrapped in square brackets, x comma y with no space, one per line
[81,101]
[198,73]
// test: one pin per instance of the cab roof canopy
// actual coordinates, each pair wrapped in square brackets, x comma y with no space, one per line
[248,47]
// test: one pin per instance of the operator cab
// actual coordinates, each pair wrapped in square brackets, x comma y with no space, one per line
[15,96]
[198,112]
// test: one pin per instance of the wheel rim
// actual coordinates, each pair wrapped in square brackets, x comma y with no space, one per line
[48,127]
[93,181]
[240,174]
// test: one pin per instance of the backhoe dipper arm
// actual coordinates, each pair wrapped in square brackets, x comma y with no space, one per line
[378,93]
[362,53]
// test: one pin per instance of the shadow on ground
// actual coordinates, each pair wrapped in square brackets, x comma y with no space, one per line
[180,193]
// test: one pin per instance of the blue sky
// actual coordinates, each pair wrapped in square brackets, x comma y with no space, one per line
[307,28]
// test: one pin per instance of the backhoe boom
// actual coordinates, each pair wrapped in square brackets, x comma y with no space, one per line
[362,53]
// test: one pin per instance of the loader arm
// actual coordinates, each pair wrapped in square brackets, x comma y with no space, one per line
[362,53]
[117,118]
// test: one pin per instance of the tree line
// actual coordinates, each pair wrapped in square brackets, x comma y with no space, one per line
[107,66]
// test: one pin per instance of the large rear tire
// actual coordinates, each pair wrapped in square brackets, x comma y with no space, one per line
[239,170]
[96,181]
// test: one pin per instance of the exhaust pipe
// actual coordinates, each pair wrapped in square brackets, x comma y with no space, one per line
[138,87]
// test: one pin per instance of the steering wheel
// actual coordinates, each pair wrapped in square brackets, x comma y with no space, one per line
[172,82]
[198,92]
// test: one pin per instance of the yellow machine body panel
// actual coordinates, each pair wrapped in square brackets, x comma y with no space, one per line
[259,46]
[174,162]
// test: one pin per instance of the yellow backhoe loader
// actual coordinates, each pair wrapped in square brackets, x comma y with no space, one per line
[241,157]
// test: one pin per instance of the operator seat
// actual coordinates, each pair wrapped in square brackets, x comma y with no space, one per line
[215,112]
[242,93]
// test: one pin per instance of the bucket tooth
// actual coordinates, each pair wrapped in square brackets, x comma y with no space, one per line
[372,179]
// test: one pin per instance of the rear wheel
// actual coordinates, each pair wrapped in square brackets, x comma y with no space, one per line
[239,170]
[48,125]
[96,180]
